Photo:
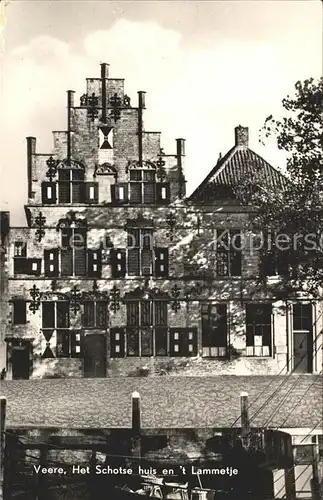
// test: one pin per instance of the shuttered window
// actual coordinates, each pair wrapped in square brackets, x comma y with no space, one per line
[139,252]
[71,188]
[73,252]
[183,342]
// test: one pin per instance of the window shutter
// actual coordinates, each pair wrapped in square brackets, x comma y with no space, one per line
[161,262]
[119,193]
[118,262]
[135,192]
[191,342]
[48,192]
[183,342]
[76,339]
[163,193]
[175,342]
[149,192]
[94,263]
[51,262]
[117,343]
[34,267]
[91,192]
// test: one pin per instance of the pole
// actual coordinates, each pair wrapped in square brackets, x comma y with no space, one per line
[245,422]
[136,425]
[3,403]
[70,104]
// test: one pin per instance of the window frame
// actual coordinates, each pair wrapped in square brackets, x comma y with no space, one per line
[70,183]
[95,324]
[228,253]
[141,249]
[142,182]
[15,312]
[264,350]
[156,324]
[210,330]
[73,336]
[73,248]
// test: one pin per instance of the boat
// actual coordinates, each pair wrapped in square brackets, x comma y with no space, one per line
[158,488]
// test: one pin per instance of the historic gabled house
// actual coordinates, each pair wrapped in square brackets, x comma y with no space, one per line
[118,273]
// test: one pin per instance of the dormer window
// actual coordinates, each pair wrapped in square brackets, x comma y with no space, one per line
[70,186]
[142,186]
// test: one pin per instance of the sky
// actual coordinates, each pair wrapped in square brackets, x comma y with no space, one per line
[206,67]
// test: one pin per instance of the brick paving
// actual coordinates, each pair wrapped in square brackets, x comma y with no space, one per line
[167,402]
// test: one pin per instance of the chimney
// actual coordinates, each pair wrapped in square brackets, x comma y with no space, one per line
[141,99]
[70,105]
[31,151]
[241,136]
[104,76]
[104,70]
[180,147]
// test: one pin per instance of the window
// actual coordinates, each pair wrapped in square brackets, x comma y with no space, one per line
[20,249]
[183,342]
[51,262]
[302,317]
[19,312]
[55,320]
[73,252]
[146,331]
[274,262]
[21,264]
[140,252]
[70,186]
[258,323]
[228,253]
[142,186]
[304,454]
[48,190]
[214,330]
[68,344]
[95,315]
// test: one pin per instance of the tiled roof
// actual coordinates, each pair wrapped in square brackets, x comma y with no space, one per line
[166,401]
[238,164]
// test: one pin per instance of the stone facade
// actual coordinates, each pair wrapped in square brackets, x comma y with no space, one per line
[118,273]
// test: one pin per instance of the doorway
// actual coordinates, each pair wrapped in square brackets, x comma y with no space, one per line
[95,355]
[303,338]
[20,361]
